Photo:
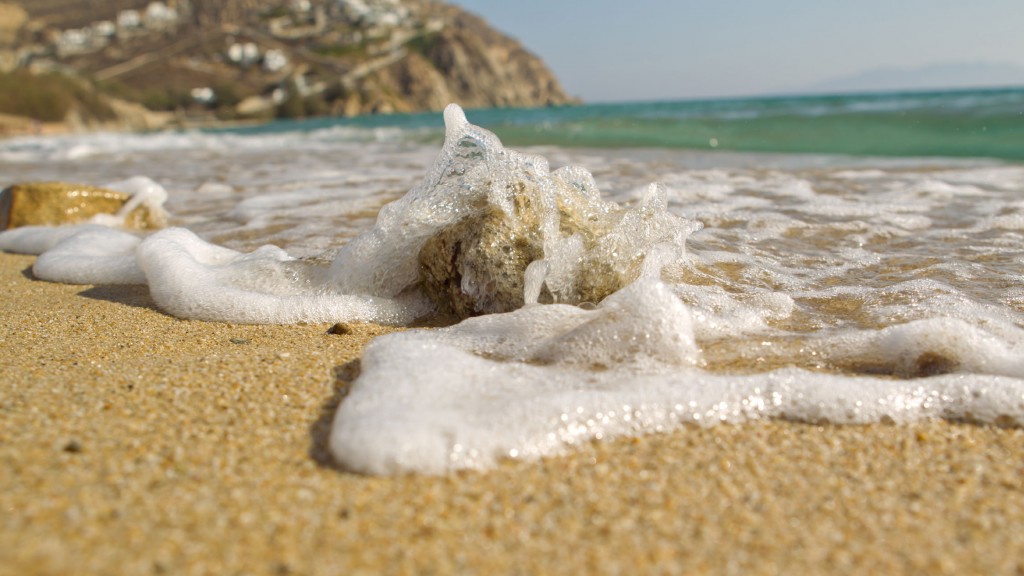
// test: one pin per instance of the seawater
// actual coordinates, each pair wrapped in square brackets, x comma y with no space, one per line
[819,287]
[963,123]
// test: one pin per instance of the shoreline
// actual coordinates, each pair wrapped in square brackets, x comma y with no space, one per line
[137,443]
[21,126]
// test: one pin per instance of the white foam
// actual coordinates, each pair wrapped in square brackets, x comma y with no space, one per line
[922,344]
[38,239]
[92,255]
[536,381]
[143,191]
[191,278]
[383,260]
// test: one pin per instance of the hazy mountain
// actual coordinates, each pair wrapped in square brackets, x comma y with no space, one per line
[946,75]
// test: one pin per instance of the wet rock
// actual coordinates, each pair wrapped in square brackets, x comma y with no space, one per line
[504,229]
[53,203]
[477,265]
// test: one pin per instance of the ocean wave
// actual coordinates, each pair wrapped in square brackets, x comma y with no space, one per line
[841,291]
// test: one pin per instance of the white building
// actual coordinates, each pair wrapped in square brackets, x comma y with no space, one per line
[244,54]
[74,41]
[204,95]
[159,15]
[104,28]
[375,12]
[129,19]
[274,60]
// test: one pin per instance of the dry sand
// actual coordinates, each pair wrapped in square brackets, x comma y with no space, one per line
[135,443]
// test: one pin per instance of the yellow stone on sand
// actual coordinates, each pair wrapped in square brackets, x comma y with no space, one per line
[53,203]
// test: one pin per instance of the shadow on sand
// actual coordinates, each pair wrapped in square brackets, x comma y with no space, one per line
[320,430]
[136,295]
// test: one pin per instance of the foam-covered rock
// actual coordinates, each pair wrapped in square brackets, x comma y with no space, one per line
[478,265]
[515,211]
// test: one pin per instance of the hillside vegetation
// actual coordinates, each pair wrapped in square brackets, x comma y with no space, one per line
[50,97]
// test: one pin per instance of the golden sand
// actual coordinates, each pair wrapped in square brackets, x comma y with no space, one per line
[136,443]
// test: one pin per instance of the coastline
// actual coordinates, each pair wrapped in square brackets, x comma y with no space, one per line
[136,122]
[137,443]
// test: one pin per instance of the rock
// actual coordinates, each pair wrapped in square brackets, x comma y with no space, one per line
[477,265]
[493,229]
[132,116]
[12,18]
[593,247]
[254,105]
[53,203]
[467,61]
[340,329]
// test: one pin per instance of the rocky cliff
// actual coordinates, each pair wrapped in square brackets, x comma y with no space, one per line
[264,58]
[467,62]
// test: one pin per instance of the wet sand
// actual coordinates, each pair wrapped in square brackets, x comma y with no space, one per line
[136,443]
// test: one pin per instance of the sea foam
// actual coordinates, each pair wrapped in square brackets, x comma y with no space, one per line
[534,382]
[793,302]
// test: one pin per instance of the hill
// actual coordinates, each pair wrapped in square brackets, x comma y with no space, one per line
[258,59]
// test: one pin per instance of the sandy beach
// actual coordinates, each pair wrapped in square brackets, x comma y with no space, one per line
[132,442]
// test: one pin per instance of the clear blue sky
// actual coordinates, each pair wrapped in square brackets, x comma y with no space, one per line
[605,50]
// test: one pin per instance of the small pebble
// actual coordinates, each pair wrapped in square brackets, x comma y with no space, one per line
[340,329]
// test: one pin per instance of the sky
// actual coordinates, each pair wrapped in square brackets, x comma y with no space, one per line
[605,50]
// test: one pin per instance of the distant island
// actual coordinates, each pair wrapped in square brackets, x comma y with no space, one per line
[142,64]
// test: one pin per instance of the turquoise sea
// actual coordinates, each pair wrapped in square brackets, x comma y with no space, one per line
[982,123]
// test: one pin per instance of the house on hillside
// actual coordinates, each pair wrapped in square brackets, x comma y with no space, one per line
[375,12]
[104,29]
[75,41]
[159,15]
[128,20]
[274,60]
[244,54]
